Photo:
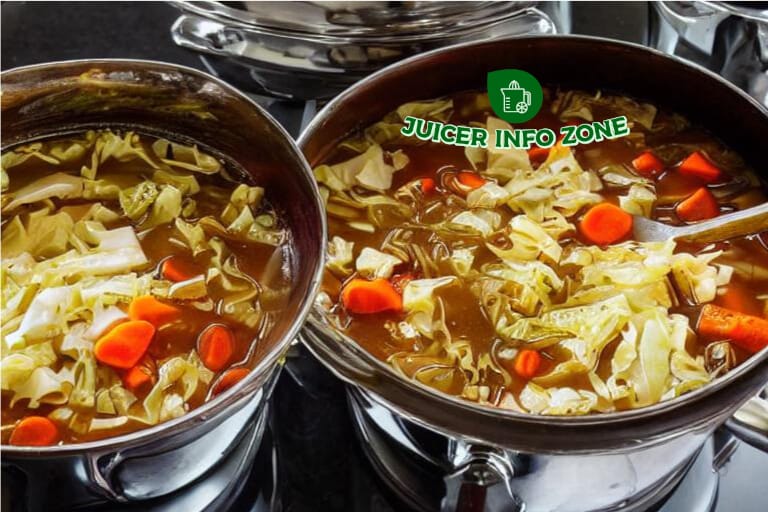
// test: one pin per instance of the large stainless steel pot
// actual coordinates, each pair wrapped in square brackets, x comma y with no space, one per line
[642,448]
[158,98]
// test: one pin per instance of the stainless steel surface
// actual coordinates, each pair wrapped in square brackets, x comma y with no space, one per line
[49,99]
[308,50]
[730,225]
[730,38]
[514,481]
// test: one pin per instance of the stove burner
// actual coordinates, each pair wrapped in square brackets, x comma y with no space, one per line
[417,466]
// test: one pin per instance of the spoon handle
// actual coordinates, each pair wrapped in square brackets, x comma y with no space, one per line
[731,225]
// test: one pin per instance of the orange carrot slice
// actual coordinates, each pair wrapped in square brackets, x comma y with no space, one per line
[35,431]
[364,297]
[648,164]
[175,269]
[141,376]
[527,363]
[605,224]
[697,165]
[153,311]
[125,344]
[700,206]
[427,185]
[537,154]
[229,379]
[470,179]
[216,344]
[745,331]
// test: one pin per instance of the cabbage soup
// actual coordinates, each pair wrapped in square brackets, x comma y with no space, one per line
[138,276]
[509,277]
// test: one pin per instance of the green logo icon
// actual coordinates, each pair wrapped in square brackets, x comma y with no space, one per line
[515,95]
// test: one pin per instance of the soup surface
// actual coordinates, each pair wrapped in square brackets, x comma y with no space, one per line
[509,277]
[137,279]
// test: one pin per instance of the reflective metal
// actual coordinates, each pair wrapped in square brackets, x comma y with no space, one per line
[729,38]
[310,50]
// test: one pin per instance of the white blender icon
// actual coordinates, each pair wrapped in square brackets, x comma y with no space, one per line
[516,98]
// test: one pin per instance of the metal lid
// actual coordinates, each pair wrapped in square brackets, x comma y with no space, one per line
[358,19]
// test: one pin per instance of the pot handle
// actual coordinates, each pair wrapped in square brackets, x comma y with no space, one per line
[750,423]
[480,481]
[204,35]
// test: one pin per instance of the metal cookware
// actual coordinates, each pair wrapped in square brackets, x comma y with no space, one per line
[186,104]
[314,50]
[635,452]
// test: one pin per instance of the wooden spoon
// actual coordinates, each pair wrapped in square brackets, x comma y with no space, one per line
[744,222]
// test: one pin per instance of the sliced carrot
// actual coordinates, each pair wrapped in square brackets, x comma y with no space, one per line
[35,431]
[527,363]
[125,344]
[363,296]
[153,311]
[537,154]
[700,206]
[175,269]
[141,376]
[400,281]
[605,224]
[229,379]
[427,185]
[745,331]
[648,164]
[470,179]
[216,344]
[697,165]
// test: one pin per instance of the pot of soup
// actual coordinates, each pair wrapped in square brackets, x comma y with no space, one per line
[154,271]
[496,295]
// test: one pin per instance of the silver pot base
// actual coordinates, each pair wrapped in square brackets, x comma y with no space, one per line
[430,471]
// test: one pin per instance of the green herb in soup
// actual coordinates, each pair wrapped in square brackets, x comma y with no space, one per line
[509,277]
[137,278]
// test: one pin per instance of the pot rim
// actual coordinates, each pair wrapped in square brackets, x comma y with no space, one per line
[247,386]
[495,413]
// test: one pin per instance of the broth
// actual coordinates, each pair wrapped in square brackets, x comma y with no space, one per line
[487,288]
[188,267]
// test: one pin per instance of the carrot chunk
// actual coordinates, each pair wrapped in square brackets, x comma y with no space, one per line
[700,206]
[229,379]
[470,179]
[125,344]
[538,154]
[216,345]
[697,166]
[174,269]
[364,297]
[35,431]
[527,363]
[427,185]
[141,376]
[648,164]
[605,224]
[153,311]
[745,331]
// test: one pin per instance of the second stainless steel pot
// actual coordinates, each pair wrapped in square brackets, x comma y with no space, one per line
[635,440]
